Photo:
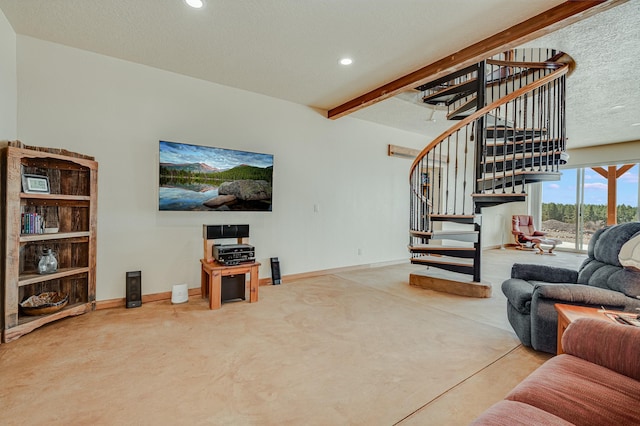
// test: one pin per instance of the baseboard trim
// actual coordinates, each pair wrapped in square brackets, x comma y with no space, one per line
[498,246]
[340,270]
[146,298]
[166,295]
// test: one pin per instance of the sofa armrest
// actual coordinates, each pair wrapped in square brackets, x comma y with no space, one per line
[605,343]
[550,274]
[581,294]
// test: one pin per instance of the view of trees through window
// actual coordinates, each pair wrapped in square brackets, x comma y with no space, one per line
[577,204]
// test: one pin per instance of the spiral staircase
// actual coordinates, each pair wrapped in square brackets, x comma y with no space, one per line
[510,131]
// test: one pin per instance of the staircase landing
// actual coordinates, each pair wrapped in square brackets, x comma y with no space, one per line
[449,282]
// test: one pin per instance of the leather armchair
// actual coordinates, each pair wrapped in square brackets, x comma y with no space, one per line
[533,290]
[524,231]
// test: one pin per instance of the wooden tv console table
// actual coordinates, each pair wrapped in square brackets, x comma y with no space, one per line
[211,280]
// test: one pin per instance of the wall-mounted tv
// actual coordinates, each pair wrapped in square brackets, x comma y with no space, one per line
[203,178]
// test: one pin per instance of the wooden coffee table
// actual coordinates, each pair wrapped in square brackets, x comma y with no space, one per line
[569,313]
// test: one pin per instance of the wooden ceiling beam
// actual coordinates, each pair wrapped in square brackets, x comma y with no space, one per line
[546,22]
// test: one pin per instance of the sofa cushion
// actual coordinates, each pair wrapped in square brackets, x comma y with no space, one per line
[596,273]
[626,281]
[602,255]
[514,413]
[553,274]
[610,241]
[581,392]
[579,294]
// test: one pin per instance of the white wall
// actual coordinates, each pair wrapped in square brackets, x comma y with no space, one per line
[496,224]
[624,152]
[8,82]
[117,111]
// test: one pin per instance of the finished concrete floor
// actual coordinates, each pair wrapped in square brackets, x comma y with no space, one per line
[354,348]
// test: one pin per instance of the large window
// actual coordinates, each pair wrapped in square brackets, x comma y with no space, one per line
[559,202]
[628,208]
[577,205]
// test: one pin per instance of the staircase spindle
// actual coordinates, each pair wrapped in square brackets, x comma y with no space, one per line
[440,179]
[431,182]
[555,133]
[562,144]
[455,174]
[464,174]
[450,170]
[549,117]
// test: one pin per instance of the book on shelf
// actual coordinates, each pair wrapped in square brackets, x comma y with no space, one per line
[32,223]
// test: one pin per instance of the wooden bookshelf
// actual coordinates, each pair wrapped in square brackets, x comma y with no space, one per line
[69,206]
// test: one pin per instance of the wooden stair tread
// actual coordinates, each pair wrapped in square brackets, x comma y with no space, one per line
[449,91]
[489,200]
[443,252]
[439,261]
[461,216]
[521,156]
[465,107]
[506,195]
[471,70]
[493,143]
[517,129]
[458,267]
[456,218]
[506,132]
[443,232]
[426,247]
[512,173]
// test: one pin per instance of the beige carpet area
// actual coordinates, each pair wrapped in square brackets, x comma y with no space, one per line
[355,348]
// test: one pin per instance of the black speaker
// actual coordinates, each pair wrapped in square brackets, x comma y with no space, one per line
[134,289]
[275,271]
[213,232]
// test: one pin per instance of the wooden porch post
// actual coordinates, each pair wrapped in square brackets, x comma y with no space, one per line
[612,175]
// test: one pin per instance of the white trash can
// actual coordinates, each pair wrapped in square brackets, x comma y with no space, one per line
[180,294]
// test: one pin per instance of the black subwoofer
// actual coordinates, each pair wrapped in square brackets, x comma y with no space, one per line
[233,287]
[134,289]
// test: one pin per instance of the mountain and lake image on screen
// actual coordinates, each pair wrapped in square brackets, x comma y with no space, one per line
[202,178]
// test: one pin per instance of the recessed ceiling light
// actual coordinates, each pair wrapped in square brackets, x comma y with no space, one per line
[195,3]
[635,124]
[345,61]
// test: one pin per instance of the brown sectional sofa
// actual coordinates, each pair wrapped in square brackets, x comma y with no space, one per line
[595,382]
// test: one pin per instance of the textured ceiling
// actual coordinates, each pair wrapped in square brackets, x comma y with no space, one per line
[289,49]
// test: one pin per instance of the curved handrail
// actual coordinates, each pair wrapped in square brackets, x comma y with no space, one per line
[564,69]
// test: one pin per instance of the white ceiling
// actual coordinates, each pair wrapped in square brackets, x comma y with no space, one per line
[289,49]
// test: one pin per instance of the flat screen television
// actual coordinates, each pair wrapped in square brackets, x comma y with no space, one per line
[204,178]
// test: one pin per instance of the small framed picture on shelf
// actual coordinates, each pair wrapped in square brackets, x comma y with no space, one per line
[35,184]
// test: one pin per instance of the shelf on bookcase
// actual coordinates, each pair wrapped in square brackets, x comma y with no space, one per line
[25,238]
[27,279]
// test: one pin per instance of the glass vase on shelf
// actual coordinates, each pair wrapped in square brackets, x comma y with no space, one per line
[48,263]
